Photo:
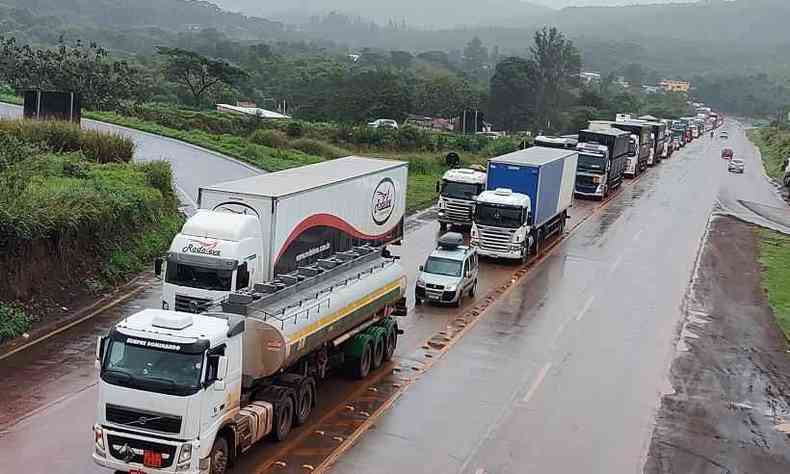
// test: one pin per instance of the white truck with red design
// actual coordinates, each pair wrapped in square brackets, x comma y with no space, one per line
[255,229]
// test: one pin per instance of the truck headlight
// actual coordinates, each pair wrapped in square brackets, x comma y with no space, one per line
[441,203]
[596,180]
[450,288]
[420,283]
[98,438]
[474,234]
[518,238]
[186,453]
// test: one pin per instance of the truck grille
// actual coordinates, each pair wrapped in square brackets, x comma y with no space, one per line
[142,419]
[188,304]
[495,239]
[133,450]
[458,211]
[584,184]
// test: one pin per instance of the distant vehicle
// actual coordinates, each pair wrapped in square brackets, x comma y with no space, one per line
[727,154]
[383,123]
[565,143]
[491,135]
[786,176]
[724,135]
[736,166]
[449,274]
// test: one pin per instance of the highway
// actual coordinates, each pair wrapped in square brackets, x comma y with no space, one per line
[571,358]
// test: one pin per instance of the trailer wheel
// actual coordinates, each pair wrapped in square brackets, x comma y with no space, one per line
[390,342]
[305,402]
[359,367]
[219,456]
[284,419]
[378,334]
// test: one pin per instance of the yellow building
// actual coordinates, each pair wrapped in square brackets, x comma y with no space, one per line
[675,86]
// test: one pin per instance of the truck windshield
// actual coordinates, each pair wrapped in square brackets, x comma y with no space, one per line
[592,163]
[460,190]
[443,266]
[151,369]
[197,277]
[498,216]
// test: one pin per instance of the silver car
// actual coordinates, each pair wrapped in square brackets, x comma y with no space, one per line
[736,166]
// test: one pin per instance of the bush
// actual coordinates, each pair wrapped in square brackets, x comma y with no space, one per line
[426,166]
[501,146]
[103,147]
[270,138]
[318,148]
[159,175]
[13,321]
[295,129]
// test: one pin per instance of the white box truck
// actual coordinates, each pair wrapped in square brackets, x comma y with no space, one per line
[251,230]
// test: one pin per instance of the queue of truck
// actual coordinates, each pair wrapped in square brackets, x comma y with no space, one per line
[279,279]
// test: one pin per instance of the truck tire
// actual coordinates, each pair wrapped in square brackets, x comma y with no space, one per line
[219,456]
[305,401]
[378,334]
[390,342]
[283,419]
[359,367]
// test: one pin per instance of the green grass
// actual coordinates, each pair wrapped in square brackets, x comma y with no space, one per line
[13,321]
[774,144]
[10,98]
[775,259]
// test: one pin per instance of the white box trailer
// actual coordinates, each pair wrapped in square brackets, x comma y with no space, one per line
[315,211]
[251,230]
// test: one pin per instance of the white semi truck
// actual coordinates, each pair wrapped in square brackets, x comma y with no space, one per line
[457,192]
[190,393]
[252,230]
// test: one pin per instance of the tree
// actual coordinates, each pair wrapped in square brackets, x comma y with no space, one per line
[444,96]
[475,58]
[558,65]
[635,74]
[401,59]
[512,101]
[87,70]
[199,74]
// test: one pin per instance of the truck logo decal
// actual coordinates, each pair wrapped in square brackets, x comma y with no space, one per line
[202,247]
[383,203]
[236,208]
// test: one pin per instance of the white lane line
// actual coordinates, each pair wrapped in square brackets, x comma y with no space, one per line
[637,235]
[616,263]
[586,308]
[536,384]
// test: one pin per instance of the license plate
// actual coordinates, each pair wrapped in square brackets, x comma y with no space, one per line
[152,458]
[136,472]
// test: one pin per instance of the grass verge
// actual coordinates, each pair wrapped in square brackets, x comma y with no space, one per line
[775,260]
[774,145]
[10,98]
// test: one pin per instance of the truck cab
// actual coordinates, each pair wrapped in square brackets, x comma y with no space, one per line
[501,224]
[632,164]
[457,192]
[214,254]
[166,381]
[449,273]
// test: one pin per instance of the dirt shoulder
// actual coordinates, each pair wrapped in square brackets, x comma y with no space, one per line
[732,374]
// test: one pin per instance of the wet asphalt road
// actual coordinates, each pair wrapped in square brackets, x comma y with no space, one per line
[536,376]
[566,372]
[192,166]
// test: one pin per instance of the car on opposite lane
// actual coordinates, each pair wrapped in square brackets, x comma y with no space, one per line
[736,165]
[724,135]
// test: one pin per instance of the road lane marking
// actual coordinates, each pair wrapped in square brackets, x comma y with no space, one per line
[586,308]
[616,263]
[537,383]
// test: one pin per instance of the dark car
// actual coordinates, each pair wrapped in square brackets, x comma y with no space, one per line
[727,154]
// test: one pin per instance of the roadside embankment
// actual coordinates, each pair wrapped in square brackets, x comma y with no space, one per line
[774,145]
[730,410]
[76,217]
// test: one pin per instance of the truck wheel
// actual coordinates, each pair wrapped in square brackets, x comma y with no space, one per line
[390,342]
[305,402]
[378,334]
[219,456]
[284,419]
[359,367]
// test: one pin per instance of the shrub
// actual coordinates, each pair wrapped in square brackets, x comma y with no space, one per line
[54,135]
[103,147]
[318,148]
[295,129]
[425,166]
[270,138]
[13,321]
[501,146]
[159,175]
[14,150]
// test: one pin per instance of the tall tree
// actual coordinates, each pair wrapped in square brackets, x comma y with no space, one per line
[199,74]
[475,58]
[512,100]
[558,65]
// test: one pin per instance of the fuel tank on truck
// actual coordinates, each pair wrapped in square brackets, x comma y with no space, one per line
[282,327]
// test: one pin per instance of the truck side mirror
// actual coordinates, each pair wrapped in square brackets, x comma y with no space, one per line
[421,268]
[438,187]
[158,266]
[99,350]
